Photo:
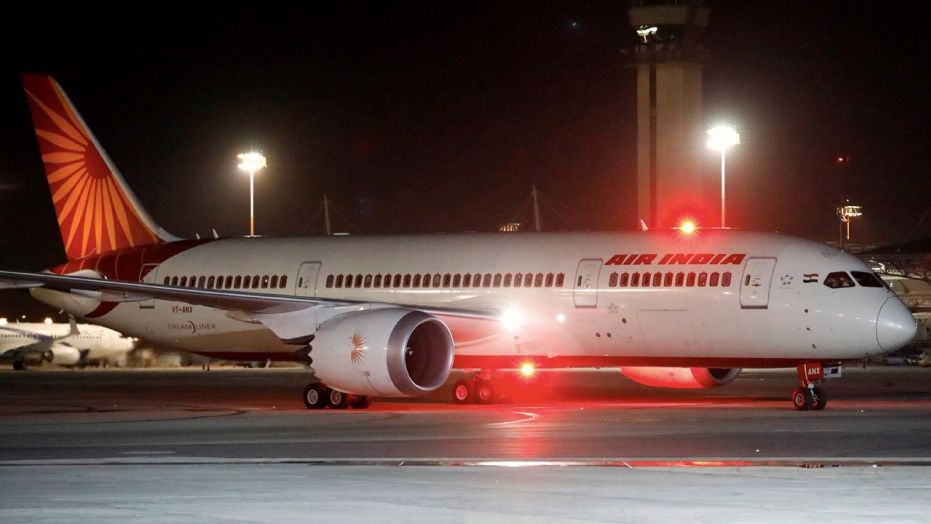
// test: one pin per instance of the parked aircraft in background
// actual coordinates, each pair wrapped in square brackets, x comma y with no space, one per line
[390,316]
[26,343]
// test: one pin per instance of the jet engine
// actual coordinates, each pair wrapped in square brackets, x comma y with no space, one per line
[681,378]
[64,355]
[390,352]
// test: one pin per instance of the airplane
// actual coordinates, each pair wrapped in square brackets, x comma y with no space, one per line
[29,343]
[390,316]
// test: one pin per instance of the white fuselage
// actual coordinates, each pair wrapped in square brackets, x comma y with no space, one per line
[767,316]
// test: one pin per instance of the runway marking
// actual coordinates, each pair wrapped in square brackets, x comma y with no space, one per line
[528,417]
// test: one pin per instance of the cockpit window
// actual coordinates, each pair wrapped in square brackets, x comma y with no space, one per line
[866,279]
[838,279]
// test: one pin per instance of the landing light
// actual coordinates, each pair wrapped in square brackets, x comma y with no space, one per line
[47,321]
[527,369]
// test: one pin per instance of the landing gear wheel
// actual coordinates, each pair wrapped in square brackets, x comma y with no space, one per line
[819,399]
[484,392]
[801,399]
[462,391]
[315,396]
[360,401]
[19,365]
[338,399]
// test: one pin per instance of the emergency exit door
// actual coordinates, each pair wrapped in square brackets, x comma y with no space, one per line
[586,283]
[754,286]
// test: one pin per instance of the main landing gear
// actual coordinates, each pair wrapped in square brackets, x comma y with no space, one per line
[489,386]
[810,396]
[319,396]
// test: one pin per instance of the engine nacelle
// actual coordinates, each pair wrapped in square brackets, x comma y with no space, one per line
[64,355]
[681,378]
[391,352]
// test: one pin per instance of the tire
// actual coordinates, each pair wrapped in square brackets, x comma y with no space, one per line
[360,401]
[19,365]
[820,400]
[484,392]
[462,391]
[315,396]
[337,399]
[801,399]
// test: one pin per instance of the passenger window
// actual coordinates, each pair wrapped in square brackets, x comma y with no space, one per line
[625,279]
[487,281]
[713,281]
[378,280]
[507,279]
[560,279]
[457,280]
[867,279]
[518,279]
[274,282]
[265,280]
[255,281]
[497,280]
[657,279]
[528,280]
[838,279]
[339,281]
[229,281]
[167,281]
[436,280]
[538,280]
[358,281]
[368,281]
[702,279]
[612,280]
[726,279]
[466,280]
[201,281]
[210,283]
[667,280]
[549,280]
[237,282]
[416,280]
[447,280]
[680,279]
[426,280]
[397,280]
[690,280]
[635,280]
[174,281]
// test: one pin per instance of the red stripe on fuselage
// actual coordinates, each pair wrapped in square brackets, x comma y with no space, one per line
[127,264]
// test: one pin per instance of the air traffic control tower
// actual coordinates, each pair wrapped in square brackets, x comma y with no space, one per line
[670,132]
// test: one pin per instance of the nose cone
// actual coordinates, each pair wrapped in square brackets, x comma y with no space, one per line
[895,325]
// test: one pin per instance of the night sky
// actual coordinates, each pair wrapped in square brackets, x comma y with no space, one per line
[439,117]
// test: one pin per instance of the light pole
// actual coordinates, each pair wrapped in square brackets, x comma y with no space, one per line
[251,162]
[721,138]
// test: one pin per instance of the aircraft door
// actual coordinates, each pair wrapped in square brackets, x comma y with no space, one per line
[306,285]
[148,274]
[586,283]
[754,287]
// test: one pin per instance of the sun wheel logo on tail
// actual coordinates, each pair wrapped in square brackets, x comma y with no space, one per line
[96,213]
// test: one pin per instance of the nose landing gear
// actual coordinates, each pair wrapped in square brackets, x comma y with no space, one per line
[810,396]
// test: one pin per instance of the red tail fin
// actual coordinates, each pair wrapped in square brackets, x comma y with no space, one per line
[97,212]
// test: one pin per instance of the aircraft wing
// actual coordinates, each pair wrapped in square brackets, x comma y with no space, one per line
[225,299]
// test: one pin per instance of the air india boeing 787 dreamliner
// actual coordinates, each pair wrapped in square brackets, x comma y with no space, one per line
[390,316]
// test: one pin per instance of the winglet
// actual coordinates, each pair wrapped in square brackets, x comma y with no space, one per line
[74,326]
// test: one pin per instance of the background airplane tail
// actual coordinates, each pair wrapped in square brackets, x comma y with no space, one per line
[97,212]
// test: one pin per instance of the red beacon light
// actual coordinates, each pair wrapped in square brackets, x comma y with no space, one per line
[687,227]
